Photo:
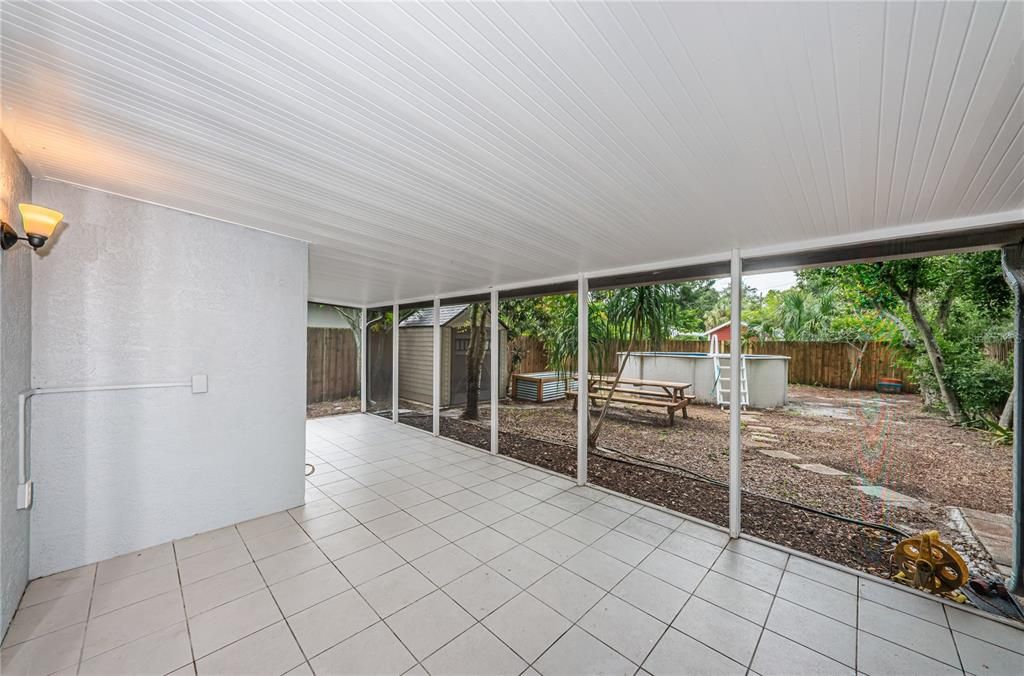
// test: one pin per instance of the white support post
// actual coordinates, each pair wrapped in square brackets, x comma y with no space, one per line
[735,396]
[582,370]
[364,386]
[435,406]
[495,372]
[394,363]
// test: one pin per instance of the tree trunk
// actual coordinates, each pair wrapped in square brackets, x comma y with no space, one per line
[595,431]
[855,362]
[1006,417]
[474,362]
[949,397]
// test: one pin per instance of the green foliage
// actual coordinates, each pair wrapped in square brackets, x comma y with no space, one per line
[962,298]
[642,313]
[999,435]
[720,312]
[562,342]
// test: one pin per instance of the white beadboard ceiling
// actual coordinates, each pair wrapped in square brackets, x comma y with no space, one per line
[438,148]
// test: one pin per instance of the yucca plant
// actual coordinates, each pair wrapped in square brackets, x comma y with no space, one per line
[640,313]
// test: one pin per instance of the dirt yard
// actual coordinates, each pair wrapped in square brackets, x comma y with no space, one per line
[886,440]
[876,440]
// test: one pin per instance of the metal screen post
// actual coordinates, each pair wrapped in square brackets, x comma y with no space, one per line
[1013,260]
[394,363]
[582,369]
[435,407]
[735,396]
[495,374]
[363,347]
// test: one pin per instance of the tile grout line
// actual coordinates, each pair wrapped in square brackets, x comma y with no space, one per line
[679,612]
[85,631]
[353,588]
[272,598]
[184,609]
[764,625]
[856,631]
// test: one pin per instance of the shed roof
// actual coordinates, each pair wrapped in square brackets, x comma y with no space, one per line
[425,316]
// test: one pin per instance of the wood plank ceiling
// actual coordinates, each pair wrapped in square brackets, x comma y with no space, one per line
[437,148]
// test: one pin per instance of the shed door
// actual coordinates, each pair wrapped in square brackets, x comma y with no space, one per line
[460,346]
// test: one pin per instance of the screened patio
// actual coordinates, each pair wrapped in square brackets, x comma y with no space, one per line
[220,165]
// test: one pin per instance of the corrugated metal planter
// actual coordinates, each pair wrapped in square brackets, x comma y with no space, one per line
[541,386]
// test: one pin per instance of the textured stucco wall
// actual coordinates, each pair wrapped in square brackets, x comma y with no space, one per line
[15,358]
[134,293]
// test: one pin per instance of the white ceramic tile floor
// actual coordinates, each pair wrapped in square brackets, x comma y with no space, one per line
[420,555]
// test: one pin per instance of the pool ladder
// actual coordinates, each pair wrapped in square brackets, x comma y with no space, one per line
[723,376]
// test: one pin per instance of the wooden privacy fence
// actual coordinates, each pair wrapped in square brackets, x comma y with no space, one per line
[332,364]
[810,363]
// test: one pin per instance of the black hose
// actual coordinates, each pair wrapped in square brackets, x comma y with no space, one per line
[663,466]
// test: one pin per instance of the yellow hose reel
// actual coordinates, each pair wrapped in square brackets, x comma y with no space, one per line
[927,563]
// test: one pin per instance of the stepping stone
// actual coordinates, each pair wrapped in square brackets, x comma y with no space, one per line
[783,455]
[822,469]
[888,495]
[745,417]
[769,438]
[994,532]
[759,428]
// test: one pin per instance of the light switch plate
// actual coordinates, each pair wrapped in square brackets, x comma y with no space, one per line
[199,384]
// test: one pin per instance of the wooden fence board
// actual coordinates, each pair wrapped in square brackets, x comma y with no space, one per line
[332,361]
[811,363]
[332,364]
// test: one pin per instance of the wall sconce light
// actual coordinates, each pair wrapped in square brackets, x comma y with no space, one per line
[39,223]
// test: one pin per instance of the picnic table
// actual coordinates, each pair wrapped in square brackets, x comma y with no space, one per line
[666,394]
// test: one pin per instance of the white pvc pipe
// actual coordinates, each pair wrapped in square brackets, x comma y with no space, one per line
[582,369]
[363,384]
[23,398]
[495,380]
[394,363]
[436,395]
[735,395]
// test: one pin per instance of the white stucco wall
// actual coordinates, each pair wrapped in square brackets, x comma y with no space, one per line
[15,358]
[134,293]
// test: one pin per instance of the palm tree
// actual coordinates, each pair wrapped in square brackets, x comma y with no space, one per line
[636,314]
[804,315]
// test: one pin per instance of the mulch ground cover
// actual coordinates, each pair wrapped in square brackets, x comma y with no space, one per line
[337,407]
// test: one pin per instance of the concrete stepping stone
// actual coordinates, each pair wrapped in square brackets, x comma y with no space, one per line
[782,455]
[821,469]
[888,495]
[994,532]
[760,428]
[770,438]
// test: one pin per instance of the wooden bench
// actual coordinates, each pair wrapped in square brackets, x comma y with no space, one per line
[672,398]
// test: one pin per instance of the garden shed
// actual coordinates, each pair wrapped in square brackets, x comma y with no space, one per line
[415,340]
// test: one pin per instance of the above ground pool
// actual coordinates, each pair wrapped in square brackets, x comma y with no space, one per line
[767,374]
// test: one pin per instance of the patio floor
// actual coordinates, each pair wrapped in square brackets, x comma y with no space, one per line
[420,555]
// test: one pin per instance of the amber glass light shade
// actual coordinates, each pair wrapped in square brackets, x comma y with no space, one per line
[39,221]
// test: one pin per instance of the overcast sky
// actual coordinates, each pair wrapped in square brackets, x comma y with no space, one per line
[778,281]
